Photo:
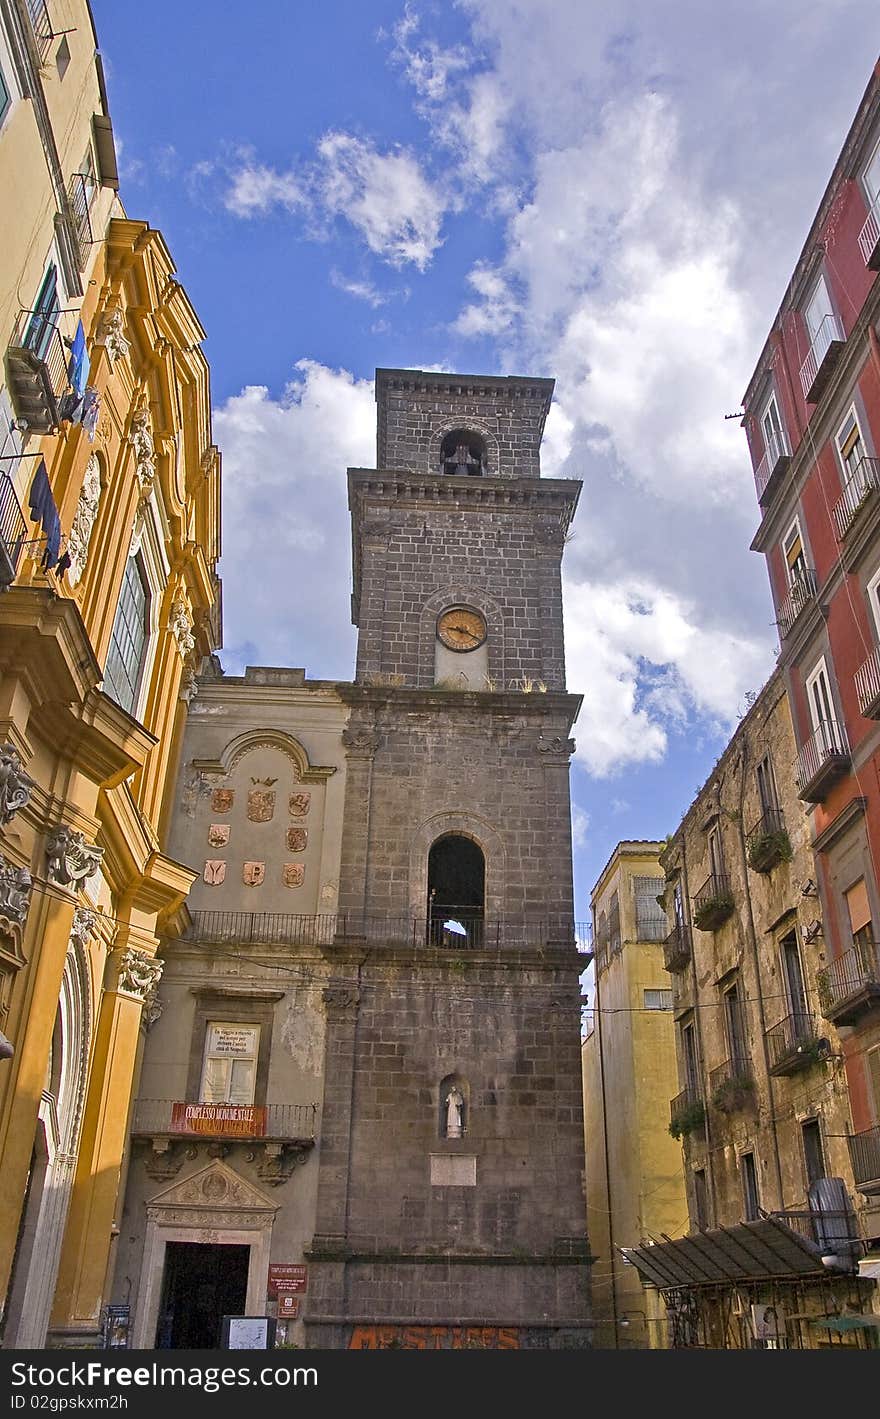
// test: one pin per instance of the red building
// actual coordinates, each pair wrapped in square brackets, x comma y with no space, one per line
[812,417]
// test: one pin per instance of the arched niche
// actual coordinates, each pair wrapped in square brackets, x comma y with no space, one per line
[453,1106]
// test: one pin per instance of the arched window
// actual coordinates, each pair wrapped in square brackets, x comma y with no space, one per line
[128,639]
[456,892]
[464,453]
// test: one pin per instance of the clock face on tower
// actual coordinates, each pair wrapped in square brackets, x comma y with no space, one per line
[461,628]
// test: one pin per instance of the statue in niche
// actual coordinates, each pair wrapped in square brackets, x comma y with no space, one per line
[454,1112]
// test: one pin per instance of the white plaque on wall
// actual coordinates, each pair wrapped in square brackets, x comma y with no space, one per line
[453,1170]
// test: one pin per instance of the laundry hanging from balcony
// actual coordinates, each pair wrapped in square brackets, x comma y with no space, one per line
[80,405]
[43,510]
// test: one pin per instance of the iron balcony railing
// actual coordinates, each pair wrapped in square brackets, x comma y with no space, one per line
[828,336]
[864,1155]
[776,449]
[867,684]
[677,948]
[286,928]
[792,1043]
[801,593]
[732,1084]
[817,1226]
[713,903]
[80,194]
[862,484]
[41,25]
[821,760]
[12,532]
[850,982]
[37,371]
[152,1116]
[689,1104]
[869,236]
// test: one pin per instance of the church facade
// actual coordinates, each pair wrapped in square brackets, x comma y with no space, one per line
[360,1107]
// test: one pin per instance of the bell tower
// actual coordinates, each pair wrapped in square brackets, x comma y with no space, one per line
[451,1172]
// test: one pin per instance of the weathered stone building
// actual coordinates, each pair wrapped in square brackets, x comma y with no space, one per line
[762,1107]
[430,978]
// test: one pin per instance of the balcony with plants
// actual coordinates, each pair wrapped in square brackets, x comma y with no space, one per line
[732,1086]
[714,903]
[850,984]
[687,1113]
[37,372]
[768,843]
[795,1044]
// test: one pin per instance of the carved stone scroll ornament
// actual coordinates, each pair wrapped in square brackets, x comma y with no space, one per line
[558,746]
[83,929]
[83,521]
[139,974]
[360,743]
[71,859]
[141,440]
[16,786]
[111,334]
[180,622]
[15,893]
[189,685]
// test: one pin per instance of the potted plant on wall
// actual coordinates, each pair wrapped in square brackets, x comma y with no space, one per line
[734,1093]
[689,1119]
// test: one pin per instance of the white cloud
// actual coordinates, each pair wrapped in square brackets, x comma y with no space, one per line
[361,290]
[384,196]
[644,665]
[286,537]
[580,822]
[256,189]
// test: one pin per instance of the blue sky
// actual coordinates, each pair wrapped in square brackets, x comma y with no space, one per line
[612,194]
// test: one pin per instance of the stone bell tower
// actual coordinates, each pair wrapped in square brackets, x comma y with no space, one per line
[450,1202]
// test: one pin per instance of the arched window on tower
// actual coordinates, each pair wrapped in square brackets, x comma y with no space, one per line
[456,892]
[463,452]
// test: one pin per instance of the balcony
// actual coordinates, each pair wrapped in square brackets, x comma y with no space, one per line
[80,195]
[452,929]
[864,1155]
[867,683]
[801,593]
[793,1044]
[714,903]
[732,1086]
[869,237]
[861,488]
[826,349]
[772,467]
[850,984]
[768,842]
[281,1134]
[677,948]
[41,25]
[822,761]
[687,1112]
[12,532]
[36,372]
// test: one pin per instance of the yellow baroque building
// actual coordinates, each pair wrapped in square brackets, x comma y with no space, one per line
[109,603]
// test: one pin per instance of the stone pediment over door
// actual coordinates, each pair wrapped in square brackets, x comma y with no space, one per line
[214,1188]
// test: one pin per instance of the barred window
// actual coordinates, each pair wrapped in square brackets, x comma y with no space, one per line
[128,639]
[650,916]
[614,923]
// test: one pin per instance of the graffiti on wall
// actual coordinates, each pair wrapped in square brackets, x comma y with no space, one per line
[433,1337]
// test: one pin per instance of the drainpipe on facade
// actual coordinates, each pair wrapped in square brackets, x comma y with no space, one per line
[614,1314]
[753,938]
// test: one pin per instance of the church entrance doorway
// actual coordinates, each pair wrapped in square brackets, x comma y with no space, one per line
[202,1283]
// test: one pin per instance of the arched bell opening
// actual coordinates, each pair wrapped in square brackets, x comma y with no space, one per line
[463,452]
[456,892]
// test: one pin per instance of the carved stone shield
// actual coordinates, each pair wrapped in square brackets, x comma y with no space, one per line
[293,874]
[222,800]
[253,873]
[297,839]
[260,805]
[215,872]
[299,804]
[218,834]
